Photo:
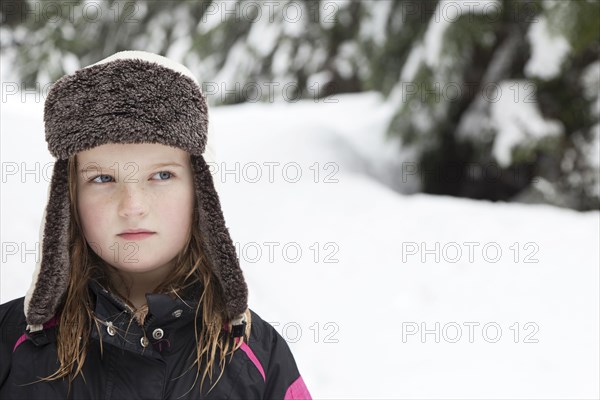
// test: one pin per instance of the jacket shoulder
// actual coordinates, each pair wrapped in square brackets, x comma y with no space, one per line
[12,318]
[12,326]
[12,322]
[264,338]
[273,355]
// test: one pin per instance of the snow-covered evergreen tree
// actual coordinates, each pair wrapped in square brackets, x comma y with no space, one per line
[500,100]
[495,99]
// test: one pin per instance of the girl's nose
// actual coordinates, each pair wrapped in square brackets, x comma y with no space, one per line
[133,202]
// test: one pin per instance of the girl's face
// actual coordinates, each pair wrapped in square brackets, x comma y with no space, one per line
[122,187]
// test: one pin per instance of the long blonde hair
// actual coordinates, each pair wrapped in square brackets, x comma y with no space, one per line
[192,267]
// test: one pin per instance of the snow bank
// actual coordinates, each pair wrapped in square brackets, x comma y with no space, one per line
[353,274]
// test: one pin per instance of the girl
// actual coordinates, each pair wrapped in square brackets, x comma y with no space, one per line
[139,293]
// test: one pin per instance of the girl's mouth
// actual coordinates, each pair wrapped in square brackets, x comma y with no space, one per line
[136,236]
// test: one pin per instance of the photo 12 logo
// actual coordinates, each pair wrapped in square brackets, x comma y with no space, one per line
[454,252]
[453,332]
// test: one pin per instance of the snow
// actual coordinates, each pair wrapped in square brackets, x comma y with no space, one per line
[296,17]
[343,61]
[348,322]
[70,63]
[180,48]
[303,55]
[433,40]
[411,66]
[590,82]
[588,153]
[446,13]
[216,13]
[517,118]
[263,35]
[373,27]
[548,51]
[239,64]
[398,94]
[7,75]
[181,41]
[318,81]
[282,57]
[594,148]
[317,58]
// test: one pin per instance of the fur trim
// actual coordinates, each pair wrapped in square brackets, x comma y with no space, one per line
[38,264]
[150,57]
[50,282]
[210,153]
[220,248]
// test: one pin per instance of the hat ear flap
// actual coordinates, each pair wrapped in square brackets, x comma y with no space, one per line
[51,275]
[217,243]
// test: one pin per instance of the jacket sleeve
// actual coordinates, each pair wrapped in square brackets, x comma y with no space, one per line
[283,380]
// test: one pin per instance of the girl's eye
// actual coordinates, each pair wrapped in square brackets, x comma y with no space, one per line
[102,178]
[165,175]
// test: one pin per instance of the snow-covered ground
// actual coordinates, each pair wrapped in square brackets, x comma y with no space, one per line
[507,295]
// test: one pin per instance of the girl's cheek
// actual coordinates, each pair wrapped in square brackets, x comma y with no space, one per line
[91,210]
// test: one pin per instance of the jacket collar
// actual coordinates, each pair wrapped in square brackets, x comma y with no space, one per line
[159,304]
[119,328]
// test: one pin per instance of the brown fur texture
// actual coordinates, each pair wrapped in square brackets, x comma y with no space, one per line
[53,277]
[127,101]
[219,249]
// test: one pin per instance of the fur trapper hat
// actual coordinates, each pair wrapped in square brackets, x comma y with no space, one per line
[129,97]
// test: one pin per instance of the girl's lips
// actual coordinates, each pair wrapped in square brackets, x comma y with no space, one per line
[136,236]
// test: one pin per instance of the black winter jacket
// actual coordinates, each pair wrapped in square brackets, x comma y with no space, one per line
[137,366]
